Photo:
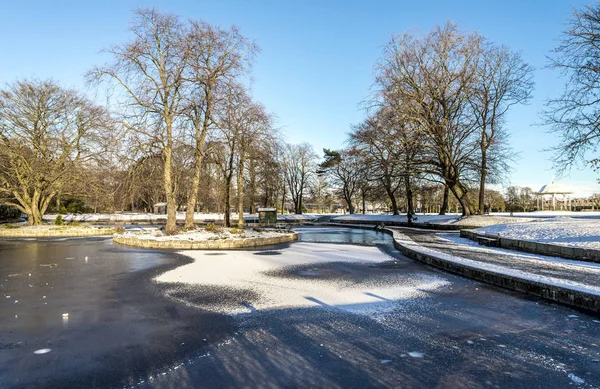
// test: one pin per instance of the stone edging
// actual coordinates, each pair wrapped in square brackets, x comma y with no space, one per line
[574,298]
[554,250]
[221,244]
[45,233]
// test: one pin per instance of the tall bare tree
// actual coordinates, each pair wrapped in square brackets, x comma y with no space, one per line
[299,169]
[429,78]
[345,170]
[47,134]
[216,57]
[575,114]
[376,139]
[149,71]
[503,80]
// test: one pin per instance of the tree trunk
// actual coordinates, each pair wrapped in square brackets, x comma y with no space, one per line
[482,182]
[171,227]
[282,200]
[227,202]
[444,207]
[34,218]
[299,203]
[460,193]
[240,189]
[193,194]
[200,136]
[410,209]
[348,198]
[350,205]
[392,200]
[252,184]
[363,201]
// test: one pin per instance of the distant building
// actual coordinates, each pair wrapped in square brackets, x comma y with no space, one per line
[551,196]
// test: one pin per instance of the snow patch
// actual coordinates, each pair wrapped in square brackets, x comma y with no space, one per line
[560,231]
[204,235]
[575,379]
[278,281]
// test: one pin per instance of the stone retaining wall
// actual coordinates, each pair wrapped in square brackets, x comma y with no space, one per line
[574,298]
[554,250]
[40,233]
[221,244]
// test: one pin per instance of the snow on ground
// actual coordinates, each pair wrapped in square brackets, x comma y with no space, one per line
[455,218]
[302,262]
[584,233]
[409,243]
[131,217]
[552,214]
[534,259]
[202,234]
[429,218]
[47,227]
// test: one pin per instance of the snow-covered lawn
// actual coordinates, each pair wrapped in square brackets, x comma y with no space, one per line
[454,219]
[552,214]
[563,231]
[22,230]
[288,278]
[150,217]
[203,234]
[51,227]
[357,218]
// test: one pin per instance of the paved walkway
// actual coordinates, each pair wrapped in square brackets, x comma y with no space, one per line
[585,273]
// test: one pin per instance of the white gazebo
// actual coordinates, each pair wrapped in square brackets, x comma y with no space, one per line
[553,190]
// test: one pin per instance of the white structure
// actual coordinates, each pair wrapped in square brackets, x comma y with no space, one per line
[553,190]
[160,208]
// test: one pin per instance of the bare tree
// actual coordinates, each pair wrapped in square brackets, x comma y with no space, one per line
[299,168]
[47,133]
[344,168]
[575,114]
[376,141]
[428,79]
[252,126]
[216,57]
[149,71]
[503,80]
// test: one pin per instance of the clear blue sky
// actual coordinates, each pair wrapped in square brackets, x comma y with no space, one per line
[316,63]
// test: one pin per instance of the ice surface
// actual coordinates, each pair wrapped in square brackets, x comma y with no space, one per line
[243,270]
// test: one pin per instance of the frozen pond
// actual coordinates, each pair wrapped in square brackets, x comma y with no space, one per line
[342,235]
[315,313]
